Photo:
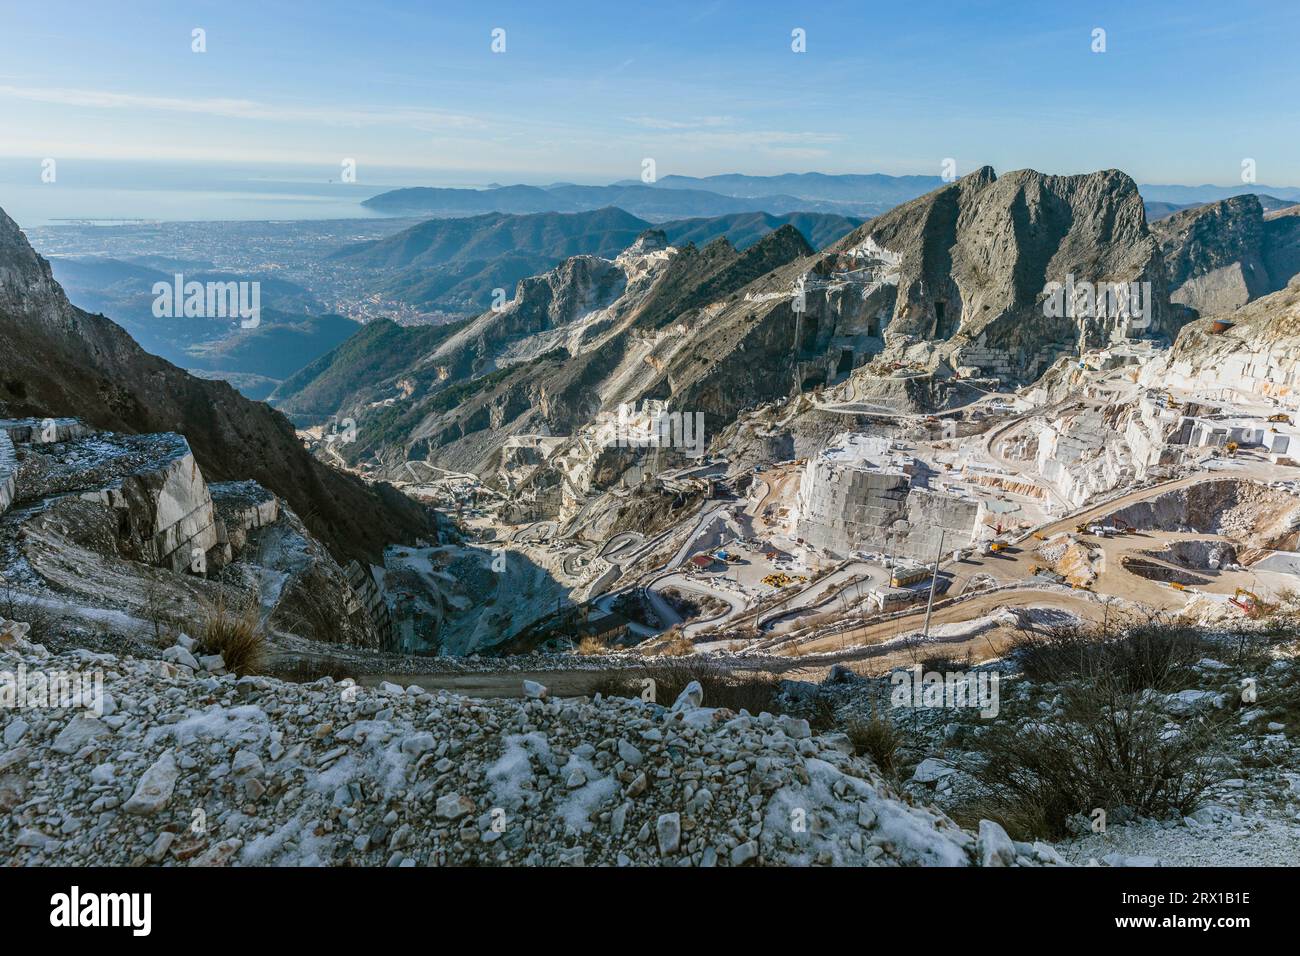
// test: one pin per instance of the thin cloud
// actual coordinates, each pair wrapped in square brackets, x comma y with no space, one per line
[702,122]
[422,119]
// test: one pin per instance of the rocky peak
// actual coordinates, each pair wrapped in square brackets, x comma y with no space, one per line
[1225,254]
[1214,254]
[652,240]
[27,285]
[973,260]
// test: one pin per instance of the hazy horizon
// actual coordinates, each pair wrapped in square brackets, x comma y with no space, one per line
[574,94]
[182,191]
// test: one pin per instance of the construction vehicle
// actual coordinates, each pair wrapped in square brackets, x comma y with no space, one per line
[1177,587]
[1280,419]
[996,546]
[1251,606]
[1231,448]
[902,577]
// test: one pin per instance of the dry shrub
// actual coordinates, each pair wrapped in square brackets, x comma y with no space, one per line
[879,740]
[236,634]
[591,645]
[677,644]
[1109,748]
[1151,653]
[941,663]
[42,620]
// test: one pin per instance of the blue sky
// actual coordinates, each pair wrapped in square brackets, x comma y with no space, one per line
[585,91]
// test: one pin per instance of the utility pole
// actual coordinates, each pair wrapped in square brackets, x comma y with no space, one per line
[934,580]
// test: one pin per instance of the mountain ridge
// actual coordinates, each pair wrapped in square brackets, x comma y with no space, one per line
[57,360]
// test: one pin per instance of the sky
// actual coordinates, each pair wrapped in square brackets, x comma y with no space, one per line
[584,92]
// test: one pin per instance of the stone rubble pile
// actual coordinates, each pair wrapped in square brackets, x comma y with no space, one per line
[183,766]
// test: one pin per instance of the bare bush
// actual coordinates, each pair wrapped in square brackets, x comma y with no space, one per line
[1110,747]
[236,634]
[1150,653]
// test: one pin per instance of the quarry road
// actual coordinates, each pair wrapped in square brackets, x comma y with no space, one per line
[561,683]
[858,575]
[860,406]
[736,603]
[873,640]
[1085,606]
[1014,564]
[616,546]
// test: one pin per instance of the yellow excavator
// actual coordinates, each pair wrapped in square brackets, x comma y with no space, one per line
[1250,606]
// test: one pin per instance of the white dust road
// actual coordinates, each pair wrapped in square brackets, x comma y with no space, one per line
[860,576]
[736,602]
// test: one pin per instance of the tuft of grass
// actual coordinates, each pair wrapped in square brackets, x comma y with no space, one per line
[591,645]
[236,634]
[1022,821]
[879,740]
[677,644]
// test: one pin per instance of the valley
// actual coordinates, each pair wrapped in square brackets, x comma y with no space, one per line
[713,479]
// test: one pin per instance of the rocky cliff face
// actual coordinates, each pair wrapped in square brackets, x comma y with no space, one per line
[57,360]
[1258,355]
[125,528]
[1224,254]
[971,263]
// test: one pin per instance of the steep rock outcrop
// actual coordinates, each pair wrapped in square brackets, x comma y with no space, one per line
[1257,354]
[1222,255]
[107,523]
[57,359]
[972,261]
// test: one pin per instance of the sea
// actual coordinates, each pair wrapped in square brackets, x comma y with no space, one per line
[112,192]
